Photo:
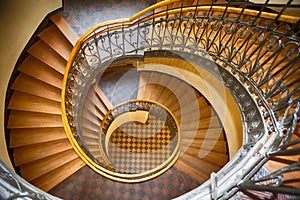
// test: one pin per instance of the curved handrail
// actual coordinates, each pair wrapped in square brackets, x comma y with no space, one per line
[276,102]
[134,106]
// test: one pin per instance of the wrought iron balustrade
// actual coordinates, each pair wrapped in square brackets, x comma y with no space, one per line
[255,54]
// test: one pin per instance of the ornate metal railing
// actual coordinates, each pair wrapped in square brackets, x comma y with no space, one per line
[164,152]
[253,52]
[12,186]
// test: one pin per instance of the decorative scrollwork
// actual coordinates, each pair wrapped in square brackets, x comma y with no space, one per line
[257,58]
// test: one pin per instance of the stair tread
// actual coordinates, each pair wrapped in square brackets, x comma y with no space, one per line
[200,101]
[92,108]
[85,120]
[91,116]
[24,119]
[89,133]
[27,84]
[211,122]
[199,164]
[193,147]
[27,102]
[182,166]
[95,99]
[163,82]
[143,80]
[218,159]
[89,125]
[33,152]
[65,28]
[22,137]
[42,166]
[56,176]
[103,98]
[179,92]
[156,78]
[202,134]
[47,55]
[37,69]
[91,141]
[57,41]
[172,85]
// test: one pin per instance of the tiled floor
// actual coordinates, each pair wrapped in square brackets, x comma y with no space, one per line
[86,184]
[84,14]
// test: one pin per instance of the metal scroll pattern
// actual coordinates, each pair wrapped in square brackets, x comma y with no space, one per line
[13,186]
[260,53]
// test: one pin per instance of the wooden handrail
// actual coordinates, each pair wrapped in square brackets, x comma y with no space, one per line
[129,22]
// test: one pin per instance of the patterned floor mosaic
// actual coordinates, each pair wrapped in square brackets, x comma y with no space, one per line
[86,184]
[136,147]
[84,14]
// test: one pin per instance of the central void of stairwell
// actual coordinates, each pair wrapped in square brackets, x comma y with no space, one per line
[139,138]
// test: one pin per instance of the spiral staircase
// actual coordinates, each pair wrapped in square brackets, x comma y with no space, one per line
[221,69]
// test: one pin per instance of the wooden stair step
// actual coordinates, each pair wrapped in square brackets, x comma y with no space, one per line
[154,80]
[197,115]
[89,125]
[47,55]
[27,102]
[95,99]
[91,116]
[56,176]
[57,41]
[189,96]
[143,80]
[92,108]
[156,94]
[206,112]
[204,134]
[91,141]
[158,80]
[164,94]
[179,92]
[172,85]
[195,146]
[194,173]
[30,153]
[103,98]
[89,133]
[28,136]
[65,28]
[163,82]
[27,84]
[198,164]
[144,86]
[24,119]
[214,158]
[38,70]
[201,102]
[40,167]
[93,147]
[211,122]
[87,122]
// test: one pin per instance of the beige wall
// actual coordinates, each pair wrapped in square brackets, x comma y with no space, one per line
[18,21]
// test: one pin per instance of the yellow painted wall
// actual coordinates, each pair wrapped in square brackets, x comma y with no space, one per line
[18,21]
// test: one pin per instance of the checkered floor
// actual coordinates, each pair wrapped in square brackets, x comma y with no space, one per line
[136,147]
[86,184]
